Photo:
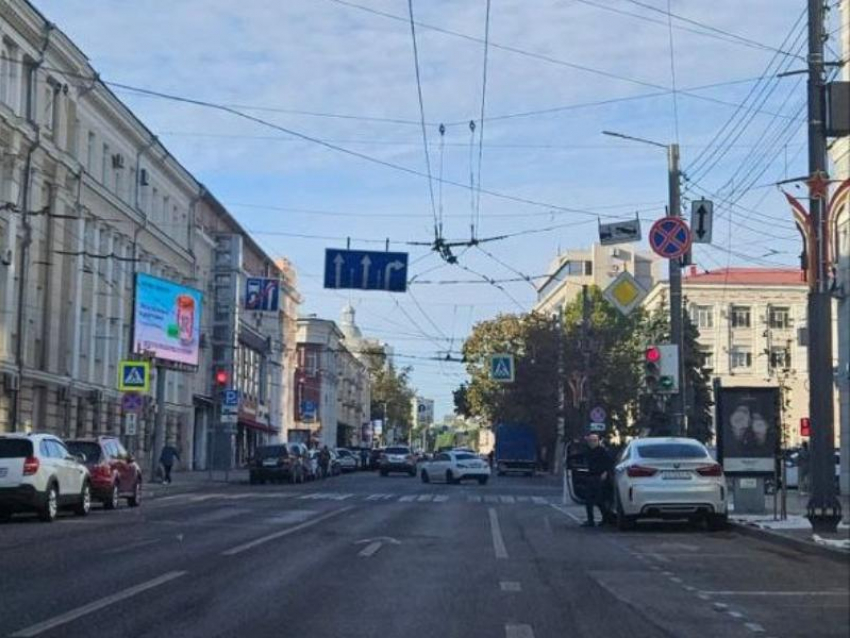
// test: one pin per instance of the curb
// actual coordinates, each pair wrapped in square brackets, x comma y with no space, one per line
[806,547]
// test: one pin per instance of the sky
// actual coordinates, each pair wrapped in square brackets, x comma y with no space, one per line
[559,72]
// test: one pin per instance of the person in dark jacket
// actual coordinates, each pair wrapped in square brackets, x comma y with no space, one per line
[599,470]
[166,459]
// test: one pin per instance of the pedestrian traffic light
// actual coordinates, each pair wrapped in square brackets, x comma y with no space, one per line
[661,368]
[805,426]
[221,378]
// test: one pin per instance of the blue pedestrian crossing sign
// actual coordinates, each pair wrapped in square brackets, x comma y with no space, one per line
[134,376]
[502,368]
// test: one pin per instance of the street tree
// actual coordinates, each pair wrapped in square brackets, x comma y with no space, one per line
[392,394]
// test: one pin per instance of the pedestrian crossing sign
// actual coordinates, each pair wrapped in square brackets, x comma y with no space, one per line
[134,376]
[502,368]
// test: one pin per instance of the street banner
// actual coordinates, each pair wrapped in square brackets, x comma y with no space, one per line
[748,428]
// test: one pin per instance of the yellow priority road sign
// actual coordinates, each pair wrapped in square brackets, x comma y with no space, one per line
[134,376]
[624,293]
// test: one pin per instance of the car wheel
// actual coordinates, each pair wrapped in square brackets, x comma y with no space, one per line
[384,473]
[5,516]
[450,478]
[425,477]
[624,523]
[50,507]
[717,522]
[112,502]
[136,499]
[482,480]
[412,472]
[84,506]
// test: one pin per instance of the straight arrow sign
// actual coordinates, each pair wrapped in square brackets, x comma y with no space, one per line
[702,218]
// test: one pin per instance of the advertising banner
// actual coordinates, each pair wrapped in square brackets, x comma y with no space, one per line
[167,320]
[748,429]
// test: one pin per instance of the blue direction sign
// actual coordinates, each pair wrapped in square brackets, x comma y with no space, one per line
[502,368]
[670,237]
[262,294]
[365,270]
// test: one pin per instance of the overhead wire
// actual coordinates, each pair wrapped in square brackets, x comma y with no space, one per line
[675,99]
[477,227]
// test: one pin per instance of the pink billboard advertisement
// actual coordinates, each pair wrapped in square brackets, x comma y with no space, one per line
[167,320]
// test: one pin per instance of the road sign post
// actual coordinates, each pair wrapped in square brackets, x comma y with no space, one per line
[365,270]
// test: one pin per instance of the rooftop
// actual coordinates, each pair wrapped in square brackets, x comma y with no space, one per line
[746,277]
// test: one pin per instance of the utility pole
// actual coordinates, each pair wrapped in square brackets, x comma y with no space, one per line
[585,357]
[677,400]
[560,455]
[824,509]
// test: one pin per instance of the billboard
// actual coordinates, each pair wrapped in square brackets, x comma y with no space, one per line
[748,429]
[167,320]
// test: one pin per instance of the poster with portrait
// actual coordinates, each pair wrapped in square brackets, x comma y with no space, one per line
[748,428]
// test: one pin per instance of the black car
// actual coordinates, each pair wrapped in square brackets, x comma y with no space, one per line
[275,463]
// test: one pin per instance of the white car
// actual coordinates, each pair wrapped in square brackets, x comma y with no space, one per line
[669,478]
[454,467]
[348,462]
[39,474]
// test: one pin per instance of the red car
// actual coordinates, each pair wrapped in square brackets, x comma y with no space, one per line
[114,472]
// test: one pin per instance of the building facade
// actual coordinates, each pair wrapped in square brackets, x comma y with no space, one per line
[598,266]
[752,325]
[316,380]
[89,200]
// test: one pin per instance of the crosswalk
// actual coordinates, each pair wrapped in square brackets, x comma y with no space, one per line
[381,497]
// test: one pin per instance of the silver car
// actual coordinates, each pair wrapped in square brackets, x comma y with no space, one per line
[669,478]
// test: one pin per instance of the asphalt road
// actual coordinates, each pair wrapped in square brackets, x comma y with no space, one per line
[364,556]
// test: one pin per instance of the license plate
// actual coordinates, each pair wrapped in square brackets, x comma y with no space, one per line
[270,463]
[676,475]
[3,471]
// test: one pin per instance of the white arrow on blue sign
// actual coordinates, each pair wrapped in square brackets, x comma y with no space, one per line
[365,270]
[502,368]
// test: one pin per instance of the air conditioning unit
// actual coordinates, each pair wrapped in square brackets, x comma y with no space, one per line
[118,161]
[144,178]
[12,382]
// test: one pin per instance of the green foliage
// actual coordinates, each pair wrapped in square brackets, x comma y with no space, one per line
[392,395]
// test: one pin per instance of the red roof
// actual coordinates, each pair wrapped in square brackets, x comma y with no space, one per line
[747,276]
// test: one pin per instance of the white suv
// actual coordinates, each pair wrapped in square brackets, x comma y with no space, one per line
[38,473]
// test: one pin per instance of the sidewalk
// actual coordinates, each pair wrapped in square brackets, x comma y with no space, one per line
[183,482]
[795,530]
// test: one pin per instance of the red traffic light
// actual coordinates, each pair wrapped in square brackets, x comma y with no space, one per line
[652,355]
[805,427]
[221,377]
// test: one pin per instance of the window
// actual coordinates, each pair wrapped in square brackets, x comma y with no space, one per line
[779,317]
[311,363]
[90,152]
[780,358]
[28,82]
[707,355]
[5,73]
[104,165]
[672,451]
[741,357]
[588,268]
[740,316]
[50,106]
[702,316]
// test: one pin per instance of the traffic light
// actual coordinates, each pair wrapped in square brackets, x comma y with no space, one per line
[805,426]
[221,378]
[661,368]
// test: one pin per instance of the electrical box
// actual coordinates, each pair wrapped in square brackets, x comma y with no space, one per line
[838,109]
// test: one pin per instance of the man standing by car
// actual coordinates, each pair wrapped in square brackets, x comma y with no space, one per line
[598,470]
[166,459]
[325,461]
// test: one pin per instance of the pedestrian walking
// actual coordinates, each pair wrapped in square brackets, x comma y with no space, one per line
[491,457]
[803,469]
[324,460]
[598,469]
[166,460]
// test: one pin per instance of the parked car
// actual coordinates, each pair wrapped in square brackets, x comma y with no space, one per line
[275,463]
[113,470]
[516,449]
[39,474]
[792,469]
[669,478]
[397,458]
[347,460]
[454,467]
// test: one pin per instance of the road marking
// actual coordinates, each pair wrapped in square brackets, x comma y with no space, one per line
[735,614]
[424,498]
[508,499]
[496,531]
[441,498]
[473,499]
[409,498]
[510,585]
[97,605]
[519,631]
[370,549]
[125,548]
[676,580]
[522,499]
[340,497]
[720,606]
[284,532]
[565,511]
[776,593]
[379,497]
[539,500]
[754,627]
[491,499]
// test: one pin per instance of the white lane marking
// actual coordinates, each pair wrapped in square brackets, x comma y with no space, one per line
[340,497]
[735,614]
[491,499]
[370,549]
[496,531]
[473,499]
[522,499]
[312,496]
[441,498]
[510,585]
[284,532]
[720,606]
[519,631]
[703,596]
[424,498]
[203,497]
[676,580]
[126,548]
[508,499]
[97,605]
[379,497]
[566,512]
[409,498]
[777,593]
[539,500]
[689,587]
[754,627]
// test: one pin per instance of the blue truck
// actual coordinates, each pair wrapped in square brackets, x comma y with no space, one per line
[516,449]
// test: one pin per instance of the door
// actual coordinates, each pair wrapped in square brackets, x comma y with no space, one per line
[126,471]
[70,471]
[439,467]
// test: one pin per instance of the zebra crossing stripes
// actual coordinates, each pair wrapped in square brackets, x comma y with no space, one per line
[325,496]
[378,497]
[507,499]
[539,500]
[473,499]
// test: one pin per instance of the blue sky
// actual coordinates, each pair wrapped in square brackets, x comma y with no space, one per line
[282,59]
